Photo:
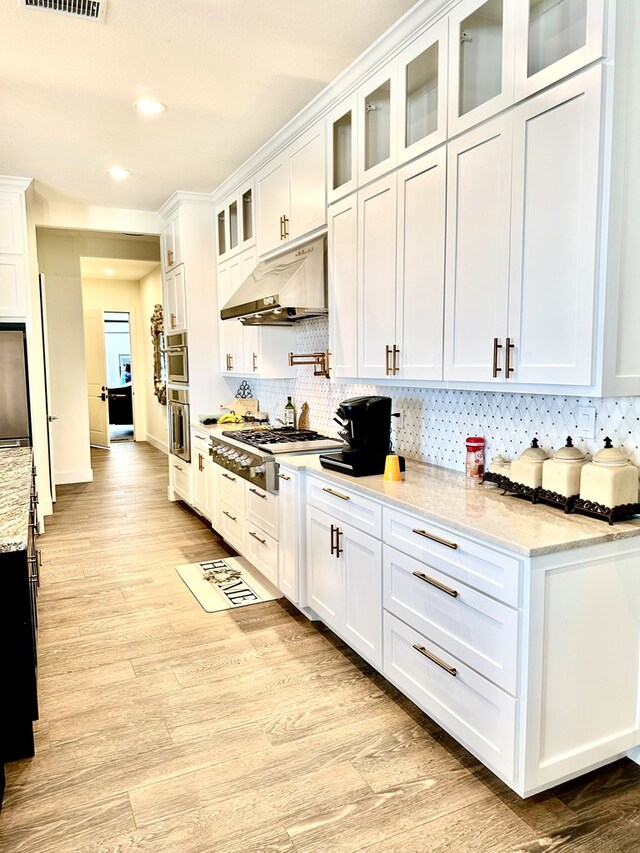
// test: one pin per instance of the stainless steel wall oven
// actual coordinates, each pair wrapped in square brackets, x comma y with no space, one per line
[179,437]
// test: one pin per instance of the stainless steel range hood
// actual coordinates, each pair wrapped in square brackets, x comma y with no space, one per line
[283,290]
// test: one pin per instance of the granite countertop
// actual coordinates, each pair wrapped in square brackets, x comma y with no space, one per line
[478,508]
[15,477]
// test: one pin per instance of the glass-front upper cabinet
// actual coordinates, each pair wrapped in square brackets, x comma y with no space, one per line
[377,137]
[422,107]
[555,38]
[481,43]
[234,222]
[342,149]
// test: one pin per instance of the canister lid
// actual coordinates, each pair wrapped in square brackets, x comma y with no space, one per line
[610,455]
[534,453]
[569,453]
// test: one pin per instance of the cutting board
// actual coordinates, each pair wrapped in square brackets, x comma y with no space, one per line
[240,406]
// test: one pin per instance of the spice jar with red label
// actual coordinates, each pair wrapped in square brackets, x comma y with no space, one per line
[474,466]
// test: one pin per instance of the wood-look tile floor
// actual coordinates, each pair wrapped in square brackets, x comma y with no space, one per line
[167,729]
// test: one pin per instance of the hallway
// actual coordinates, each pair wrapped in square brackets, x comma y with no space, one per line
[167,729]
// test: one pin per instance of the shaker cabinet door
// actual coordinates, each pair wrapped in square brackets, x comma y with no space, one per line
[343,286]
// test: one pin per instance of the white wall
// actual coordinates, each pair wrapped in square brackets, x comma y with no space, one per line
[150,296]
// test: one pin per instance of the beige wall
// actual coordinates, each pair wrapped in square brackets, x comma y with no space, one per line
[150,296]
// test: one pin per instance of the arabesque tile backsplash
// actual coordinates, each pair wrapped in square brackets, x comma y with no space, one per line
[435,422]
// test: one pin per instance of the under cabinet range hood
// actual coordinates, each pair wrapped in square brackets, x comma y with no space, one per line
[283,290]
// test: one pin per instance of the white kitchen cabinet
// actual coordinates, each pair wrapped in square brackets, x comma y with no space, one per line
[291,536]
[344,569]
[377,136]
[175,300]
[12,221]
[554,233]
[172,241]
[14,277]
[290,192]
[200,468]
[233,526]
[478,235]
[231,339]
[13,286]
[343,286]
[401,241]
[422,93]
[555,38]
[342,149]
[262,551]
[180,483]
[481,61]
[234,222]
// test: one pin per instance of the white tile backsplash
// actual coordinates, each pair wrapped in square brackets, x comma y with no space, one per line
[435,422]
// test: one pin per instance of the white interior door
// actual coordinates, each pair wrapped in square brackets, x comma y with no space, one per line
[96,377]
[51,418]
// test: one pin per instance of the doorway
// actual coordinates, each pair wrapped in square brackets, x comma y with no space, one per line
[117,347]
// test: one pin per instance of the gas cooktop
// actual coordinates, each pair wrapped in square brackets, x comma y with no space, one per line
[284,440]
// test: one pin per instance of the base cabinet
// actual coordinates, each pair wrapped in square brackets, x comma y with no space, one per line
[291,535]
[180,480]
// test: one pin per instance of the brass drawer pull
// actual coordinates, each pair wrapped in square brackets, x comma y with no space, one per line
[259,494]
[201,437]
[284,477]
[228,476]
[387,355]
[496,370]
[435,539]
[337,494]
[450,669]
[177,467]
[452,592]
[255,536]
[255,361]
[228,514]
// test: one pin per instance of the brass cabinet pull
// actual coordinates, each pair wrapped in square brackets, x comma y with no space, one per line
[387,366]
[282,227]
[200,461]
[496,346]
[173,321]
[228,476]
[337,494]
[169,257]
[284,477]
[450,669]
[509,346]
[396,367]
[433,582]
[255,362]
[285,222]
[339,550]
[177,467]
[230,361]
[201,437]
[228,514]
[259,494]
[333,530]
[255,536]
[435,539]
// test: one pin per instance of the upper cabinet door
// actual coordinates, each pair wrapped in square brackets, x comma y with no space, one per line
[172,241]
[11,223]
[342,150]
[481,39]
[555,38]
[555,232]
[422,93]
[377,134]
[308,203]
[272,190]
[343,286]
[478,233]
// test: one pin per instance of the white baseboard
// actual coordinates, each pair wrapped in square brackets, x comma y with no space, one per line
[634,754]
[160,445]
[63,478]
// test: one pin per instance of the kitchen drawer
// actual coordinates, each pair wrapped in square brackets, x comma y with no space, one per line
[232,527]
[200,441]
[477,629]
[458,556]
[232,490]
[262,551]
[345,505]
[474,711]
[181,479]
[262,509]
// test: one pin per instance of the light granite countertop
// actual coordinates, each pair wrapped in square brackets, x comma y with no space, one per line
[15,490]
[479,509]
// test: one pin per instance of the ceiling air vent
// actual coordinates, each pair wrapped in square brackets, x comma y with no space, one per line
[94,10]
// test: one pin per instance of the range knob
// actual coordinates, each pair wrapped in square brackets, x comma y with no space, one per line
[258,471]
[244,462]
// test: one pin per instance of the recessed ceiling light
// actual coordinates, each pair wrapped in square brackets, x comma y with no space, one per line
[118,173]
[149,106]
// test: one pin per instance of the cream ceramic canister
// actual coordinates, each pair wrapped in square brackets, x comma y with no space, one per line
[610,480]
[561,473]
[527,468]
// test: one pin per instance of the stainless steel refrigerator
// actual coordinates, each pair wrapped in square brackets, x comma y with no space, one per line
[15,424]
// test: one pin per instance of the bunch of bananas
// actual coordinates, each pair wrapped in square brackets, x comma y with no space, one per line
[230,419]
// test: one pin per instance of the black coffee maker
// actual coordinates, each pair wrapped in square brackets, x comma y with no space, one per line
[366,430]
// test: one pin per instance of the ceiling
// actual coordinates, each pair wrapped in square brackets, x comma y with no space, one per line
[115,268]
[231,73]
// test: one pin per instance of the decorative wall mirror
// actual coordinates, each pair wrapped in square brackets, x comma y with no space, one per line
[157,338]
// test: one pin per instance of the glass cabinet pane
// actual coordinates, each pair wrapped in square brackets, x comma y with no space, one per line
[481,35]
[342,165]
[421,83]
[377,125]
[247,216]
[233,225]
[556,29]
[222,237]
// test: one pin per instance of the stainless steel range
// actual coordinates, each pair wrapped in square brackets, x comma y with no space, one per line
[251,453]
